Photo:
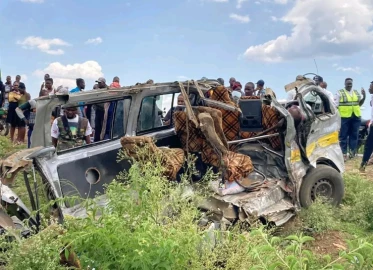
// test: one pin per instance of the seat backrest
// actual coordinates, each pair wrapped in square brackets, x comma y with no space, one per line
[231,124]
[194,142]
[197,141]
[131,145]
[271,117]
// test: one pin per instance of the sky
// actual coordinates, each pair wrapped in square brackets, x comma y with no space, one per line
[168,40]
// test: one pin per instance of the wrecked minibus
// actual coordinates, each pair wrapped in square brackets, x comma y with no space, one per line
[271,162]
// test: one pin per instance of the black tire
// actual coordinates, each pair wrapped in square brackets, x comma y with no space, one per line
[323,181]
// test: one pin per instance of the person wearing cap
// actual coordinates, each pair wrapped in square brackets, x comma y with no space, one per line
[368,148]
[349,102]
[260,88]
[101,116]
[70,130]
[101,83]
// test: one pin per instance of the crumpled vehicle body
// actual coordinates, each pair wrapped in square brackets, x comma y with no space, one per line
[272,195]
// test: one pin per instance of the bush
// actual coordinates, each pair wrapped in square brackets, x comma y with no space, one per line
[319,217]
[358,204]
[150,223]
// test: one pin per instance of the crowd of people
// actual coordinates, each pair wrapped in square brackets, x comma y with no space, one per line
[21,110]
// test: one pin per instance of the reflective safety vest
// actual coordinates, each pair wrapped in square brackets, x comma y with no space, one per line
[349,104]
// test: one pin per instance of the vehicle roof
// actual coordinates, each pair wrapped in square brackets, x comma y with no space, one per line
[111,93]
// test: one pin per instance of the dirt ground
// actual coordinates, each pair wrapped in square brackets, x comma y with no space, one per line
[352,166]
[329,243]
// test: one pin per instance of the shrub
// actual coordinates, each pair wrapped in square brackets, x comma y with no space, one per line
[358,204]
[150,223]
[319,217]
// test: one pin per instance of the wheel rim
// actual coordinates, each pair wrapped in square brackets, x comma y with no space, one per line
[322,188]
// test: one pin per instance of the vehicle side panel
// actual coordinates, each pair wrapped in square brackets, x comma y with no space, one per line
[73,174]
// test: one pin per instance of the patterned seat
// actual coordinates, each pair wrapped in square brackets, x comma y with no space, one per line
[231,120]
[270,119]
[172,158]
[214,147]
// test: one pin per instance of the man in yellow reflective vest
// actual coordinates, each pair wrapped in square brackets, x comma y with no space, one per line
[348,102]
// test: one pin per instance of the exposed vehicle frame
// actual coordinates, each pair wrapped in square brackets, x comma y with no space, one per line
[90,167]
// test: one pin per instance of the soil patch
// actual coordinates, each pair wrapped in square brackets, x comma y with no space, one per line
[328,243]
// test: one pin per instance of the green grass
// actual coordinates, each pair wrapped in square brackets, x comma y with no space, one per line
[148,224]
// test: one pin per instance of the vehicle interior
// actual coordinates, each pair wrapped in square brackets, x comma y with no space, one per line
[248,135]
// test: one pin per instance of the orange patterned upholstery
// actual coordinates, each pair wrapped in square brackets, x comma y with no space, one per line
[237,166]
[194,144]
[172,158]
[231,120]
[197,141]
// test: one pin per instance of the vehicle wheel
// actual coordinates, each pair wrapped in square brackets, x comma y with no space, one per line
[4,128]
[323,181]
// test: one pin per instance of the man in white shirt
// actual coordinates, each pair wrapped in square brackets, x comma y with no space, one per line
[324,85]
[368,148]
[70,130]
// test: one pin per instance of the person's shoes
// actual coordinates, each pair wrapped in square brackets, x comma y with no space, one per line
[345,157]
[352,155]
[362,168]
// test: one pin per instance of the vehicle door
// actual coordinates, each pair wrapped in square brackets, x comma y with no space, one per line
[84,171]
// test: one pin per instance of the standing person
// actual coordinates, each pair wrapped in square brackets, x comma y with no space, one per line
[237,86]
[368,148]
[101,115]
[232,80]
[21,124]
[29,106]
[348,102]
[12,119]
[324,86]
[46,76]
[115,83]
[260,88]
[18,78]
[70,130]
[48,88]
[7,89]
[2,92]
[101,83]
[249,89]
[80,85]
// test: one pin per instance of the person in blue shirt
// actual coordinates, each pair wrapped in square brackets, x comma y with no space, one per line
[80,85]
[260,88]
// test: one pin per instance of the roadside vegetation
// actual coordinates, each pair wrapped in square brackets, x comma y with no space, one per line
[151,223]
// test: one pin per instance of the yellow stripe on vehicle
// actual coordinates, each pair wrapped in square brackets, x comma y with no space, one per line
[322,142]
